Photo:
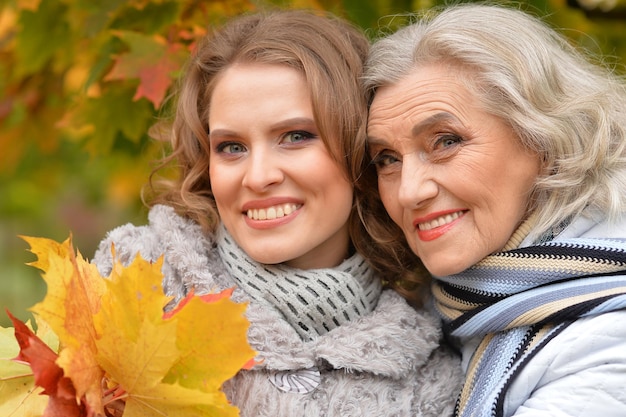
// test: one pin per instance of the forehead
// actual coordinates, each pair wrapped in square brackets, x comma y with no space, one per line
[424,93]
[242,75]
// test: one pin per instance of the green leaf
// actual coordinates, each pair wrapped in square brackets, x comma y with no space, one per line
[43,32]
[152,18]
[113,113]
[107,48]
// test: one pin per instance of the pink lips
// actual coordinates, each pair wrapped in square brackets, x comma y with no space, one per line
[450,217]
[292,209]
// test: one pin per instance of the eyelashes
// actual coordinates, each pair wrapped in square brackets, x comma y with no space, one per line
[439,148]
[230,147]
[292,137]
[297,136]
[383,159]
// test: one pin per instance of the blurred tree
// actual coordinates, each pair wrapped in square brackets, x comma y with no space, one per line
[82,80]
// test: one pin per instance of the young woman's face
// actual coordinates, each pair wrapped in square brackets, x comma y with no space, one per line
[279,192]
[451,175]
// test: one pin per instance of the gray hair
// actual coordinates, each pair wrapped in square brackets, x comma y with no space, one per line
[560,103]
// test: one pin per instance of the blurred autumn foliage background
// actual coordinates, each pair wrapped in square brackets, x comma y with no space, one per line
[82,80]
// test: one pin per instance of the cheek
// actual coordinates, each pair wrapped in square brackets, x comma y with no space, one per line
[220,185]
[389,197]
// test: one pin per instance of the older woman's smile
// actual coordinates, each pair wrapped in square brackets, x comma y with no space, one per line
[441,220]
[428,230]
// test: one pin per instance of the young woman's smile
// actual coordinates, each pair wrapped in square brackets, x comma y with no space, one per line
[451,175]
[278,190]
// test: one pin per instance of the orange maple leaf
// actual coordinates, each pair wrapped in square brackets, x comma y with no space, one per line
[208,298]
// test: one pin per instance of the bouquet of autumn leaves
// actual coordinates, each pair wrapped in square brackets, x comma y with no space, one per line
[105,347]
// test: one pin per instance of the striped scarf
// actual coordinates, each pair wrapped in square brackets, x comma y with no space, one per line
[517,300]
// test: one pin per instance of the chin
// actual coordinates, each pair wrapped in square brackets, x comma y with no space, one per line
[439,271]
[264,258]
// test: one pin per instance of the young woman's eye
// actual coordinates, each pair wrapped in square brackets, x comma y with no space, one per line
[297,136]
[231,148]
[446,141]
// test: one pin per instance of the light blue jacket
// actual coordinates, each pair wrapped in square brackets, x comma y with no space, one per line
[582,371]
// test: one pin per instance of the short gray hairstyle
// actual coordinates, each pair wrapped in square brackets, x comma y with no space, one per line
[560,102]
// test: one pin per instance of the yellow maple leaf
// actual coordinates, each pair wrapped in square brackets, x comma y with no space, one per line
[74,289]
[117,345]
[202,365]
[138,347]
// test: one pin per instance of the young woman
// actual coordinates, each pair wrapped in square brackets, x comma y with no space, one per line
[263,137]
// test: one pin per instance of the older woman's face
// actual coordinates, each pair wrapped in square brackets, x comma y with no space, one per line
[451,175]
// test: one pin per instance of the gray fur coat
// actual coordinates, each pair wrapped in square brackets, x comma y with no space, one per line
[388,363]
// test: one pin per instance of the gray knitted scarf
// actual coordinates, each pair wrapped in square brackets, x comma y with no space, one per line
[312,301]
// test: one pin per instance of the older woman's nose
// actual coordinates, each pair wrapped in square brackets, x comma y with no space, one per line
[417,185]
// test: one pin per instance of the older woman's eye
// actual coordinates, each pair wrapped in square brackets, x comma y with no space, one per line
[446,141]
[297,136]
[230,147]
[383,159]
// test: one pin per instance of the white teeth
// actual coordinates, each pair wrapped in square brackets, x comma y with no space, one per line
[273,212]
[440,221]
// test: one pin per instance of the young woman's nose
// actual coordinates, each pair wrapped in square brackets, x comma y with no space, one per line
[263,170]
[417,184]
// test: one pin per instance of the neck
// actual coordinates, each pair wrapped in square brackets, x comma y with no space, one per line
[521,232]
[312,301]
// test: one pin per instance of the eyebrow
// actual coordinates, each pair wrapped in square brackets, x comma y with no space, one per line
[432,121]
[301,122]
[221,133]
[293,122]
[422,126]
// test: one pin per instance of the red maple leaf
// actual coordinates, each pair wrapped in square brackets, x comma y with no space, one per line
[48,375]
[151,59]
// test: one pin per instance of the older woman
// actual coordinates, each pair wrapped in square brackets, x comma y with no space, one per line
[500,155]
